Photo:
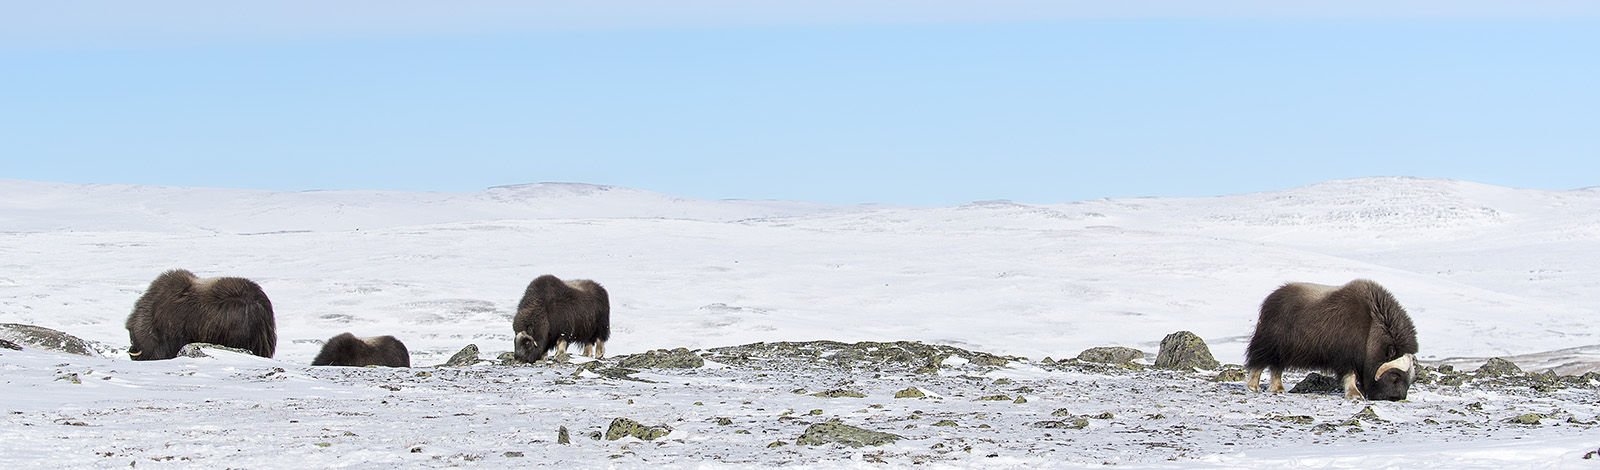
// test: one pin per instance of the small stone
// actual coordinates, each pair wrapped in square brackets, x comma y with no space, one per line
[1530,418]
[1110,355]
[1104,415]
[1297,419]
[839,393]
[4,343]
[1020,400]
[623,427]
[836,433]
[512,454]
[466,357]
[1073,422]
[680,358]
[1061,412]
[994,398]
[910,392]
[323,444]
[777,444]
[947,422]
[1185,351]
[561,436]
[1498,367]
[70,378]
[724,421]
[1229,375]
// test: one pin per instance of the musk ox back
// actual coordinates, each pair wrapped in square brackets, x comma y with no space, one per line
[180,308]
[554,313]
[348,350]
[1357,331]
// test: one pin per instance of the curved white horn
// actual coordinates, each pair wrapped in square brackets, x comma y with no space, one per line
[134,354]
[1403,363]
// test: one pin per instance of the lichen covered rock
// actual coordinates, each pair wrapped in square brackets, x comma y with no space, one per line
[19,335]
[1185,351]
[838,433]
[1110,355]
[466,357]
[1318,383]
[1498,367]
[680,358]
[624,427]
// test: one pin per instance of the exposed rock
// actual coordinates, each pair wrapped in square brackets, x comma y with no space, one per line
[9,345]
[837,433]
[1498,367]
[562,437]
[624,427]
[1070,422]
[1530,418]
[995,398]
[1229,375]
[680,358]
[839,393]
[466,357]
[910,392]
[1185,351]
[18,335]
[196,350]
[1318,383]
[1367,415]
[1110,355]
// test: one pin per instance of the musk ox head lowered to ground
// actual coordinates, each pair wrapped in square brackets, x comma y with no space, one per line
[1357,331]
[554,313]
[348,350]
[180,308]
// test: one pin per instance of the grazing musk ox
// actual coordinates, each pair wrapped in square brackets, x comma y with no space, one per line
[348,350]
[1357,331]
[180,308]
[554,313]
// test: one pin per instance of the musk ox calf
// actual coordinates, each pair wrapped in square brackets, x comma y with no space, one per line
[1357,331]
[554,313]
[348,350]
[180,308]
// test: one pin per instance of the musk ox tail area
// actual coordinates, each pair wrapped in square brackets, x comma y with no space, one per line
[179,308]
[348,350]
[554,313]
[1358,331]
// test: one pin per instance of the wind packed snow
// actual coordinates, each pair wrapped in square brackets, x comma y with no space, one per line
[1484,271]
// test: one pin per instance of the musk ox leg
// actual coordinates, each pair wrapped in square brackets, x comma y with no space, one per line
[1253,380]
[1350,388]
[1277,381]
[599,349]
[561,347]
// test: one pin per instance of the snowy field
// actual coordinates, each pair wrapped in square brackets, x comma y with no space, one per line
[1484,271]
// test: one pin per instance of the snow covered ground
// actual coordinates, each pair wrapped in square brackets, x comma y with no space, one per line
[1484,271]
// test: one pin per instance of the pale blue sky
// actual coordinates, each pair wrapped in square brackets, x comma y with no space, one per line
[818,101]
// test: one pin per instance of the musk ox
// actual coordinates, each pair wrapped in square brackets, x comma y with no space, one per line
[1357,331]
[348,350]
[180,308]
[554,313]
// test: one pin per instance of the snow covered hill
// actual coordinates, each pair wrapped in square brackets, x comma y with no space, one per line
[1485,271]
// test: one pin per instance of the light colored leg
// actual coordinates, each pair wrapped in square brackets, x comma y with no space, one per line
[588,350]
[1350,388]
[561,348]
[1252,381]
[599,349]
[1277,381]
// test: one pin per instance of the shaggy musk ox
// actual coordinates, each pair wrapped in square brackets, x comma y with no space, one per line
[348,350]
[554,313]
[180,308]
[1357,331]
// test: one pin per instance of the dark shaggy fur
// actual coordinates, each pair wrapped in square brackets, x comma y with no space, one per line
[348,350]
[554,313]
[180,308]
[1351,330]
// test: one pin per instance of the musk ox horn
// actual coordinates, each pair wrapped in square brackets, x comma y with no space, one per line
[1403,363]
[132,353]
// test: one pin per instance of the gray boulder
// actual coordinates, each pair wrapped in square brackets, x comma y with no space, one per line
[1185,351]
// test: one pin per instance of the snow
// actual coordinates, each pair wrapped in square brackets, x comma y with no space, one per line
[1484,271]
